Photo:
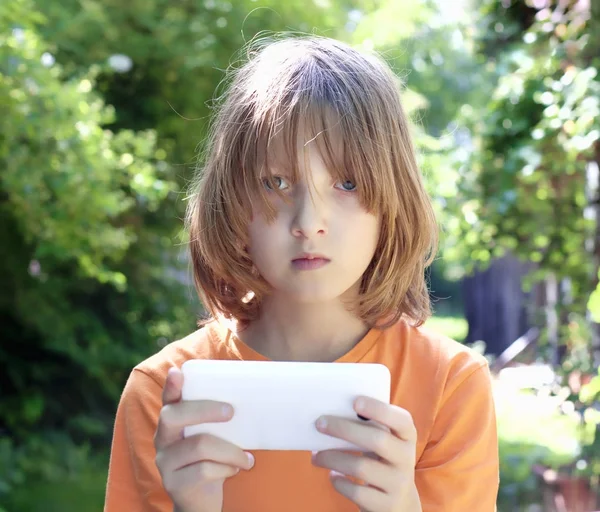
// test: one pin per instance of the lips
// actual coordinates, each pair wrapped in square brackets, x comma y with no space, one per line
[310,261]
[310,256]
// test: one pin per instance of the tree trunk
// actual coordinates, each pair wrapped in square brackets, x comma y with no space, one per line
[496,307]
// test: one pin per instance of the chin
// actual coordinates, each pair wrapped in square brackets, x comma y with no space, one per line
[317,294]
[313,298]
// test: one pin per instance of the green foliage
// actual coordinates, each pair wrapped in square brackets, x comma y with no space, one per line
[584,399]
[80,178]
[72,197]
[522,189]
[96,149]
[178,52]
[594,304]
[104,103]
[49,457]
[453,327]
[82,494]
[523,444]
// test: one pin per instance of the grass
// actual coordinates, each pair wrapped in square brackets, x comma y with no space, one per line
[531,431]
[451,326]
[524,418]
[82,494]
[82,491]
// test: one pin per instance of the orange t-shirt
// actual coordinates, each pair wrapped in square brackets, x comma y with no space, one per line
[444,385]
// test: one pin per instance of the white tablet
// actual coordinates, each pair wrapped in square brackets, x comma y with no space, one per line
[276,404]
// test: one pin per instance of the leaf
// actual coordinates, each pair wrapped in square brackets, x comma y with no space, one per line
[594,304]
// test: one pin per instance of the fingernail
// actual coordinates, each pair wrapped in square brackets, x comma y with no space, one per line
[250,459]
[360,404]
[335,474]
[227,411]
[321,423]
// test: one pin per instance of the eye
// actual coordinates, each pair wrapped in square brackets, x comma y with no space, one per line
[275,183]
[346,186]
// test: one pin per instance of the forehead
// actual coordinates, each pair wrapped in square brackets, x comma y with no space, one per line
[286,139]
[304,139]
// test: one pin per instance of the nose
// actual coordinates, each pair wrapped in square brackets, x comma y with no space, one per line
[309,215]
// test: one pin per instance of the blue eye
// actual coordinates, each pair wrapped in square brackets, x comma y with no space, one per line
[275,182]
[346,186]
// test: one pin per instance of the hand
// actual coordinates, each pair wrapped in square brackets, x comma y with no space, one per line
[194,469]
[388,471]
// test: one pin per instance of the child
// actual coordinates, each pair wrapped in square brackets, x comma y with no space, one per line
[310,231]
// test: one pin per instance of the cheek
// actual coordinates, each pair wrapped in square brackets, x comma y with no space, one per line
[365,225]
[262,235]
[256,230]
[377,229]
[369,231]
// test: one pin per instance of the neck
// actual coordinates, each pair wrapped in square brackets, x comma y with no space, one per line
[293,331]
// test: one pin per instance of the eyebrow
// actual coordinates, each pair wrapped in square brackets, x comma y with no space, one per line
[276,170]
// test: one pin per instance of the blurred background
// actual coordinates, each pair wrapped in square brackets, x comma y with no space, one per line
[104,105]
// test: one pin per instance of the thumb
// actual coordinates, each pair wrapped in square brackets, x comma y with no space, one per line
[173,385]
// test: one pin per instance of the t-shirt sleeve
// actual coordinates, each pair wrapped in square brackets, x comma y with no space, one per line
[459,468]
[134,483]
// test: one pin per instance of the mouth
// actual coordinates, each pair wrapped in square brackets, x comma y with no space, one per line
[310,261]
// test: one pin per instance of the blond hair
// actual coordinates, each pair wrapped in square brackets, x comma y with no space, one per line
[309,78]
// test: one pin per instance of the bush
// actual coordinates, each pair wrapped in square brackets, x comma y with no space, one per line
[49,470]
[531,431]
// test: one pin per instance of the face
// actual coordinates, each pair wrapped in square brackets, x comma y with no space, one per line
[321,241]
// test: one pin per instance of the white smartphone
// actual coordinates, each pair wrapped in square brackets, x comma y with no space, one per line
[276,404]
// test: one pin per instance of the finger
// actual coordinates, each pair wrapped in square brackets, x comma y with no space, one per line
[368,499]
[399,420]
[371,438]
[173,385]
[372,472]
[201,473]
[202,447]
[174,417]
